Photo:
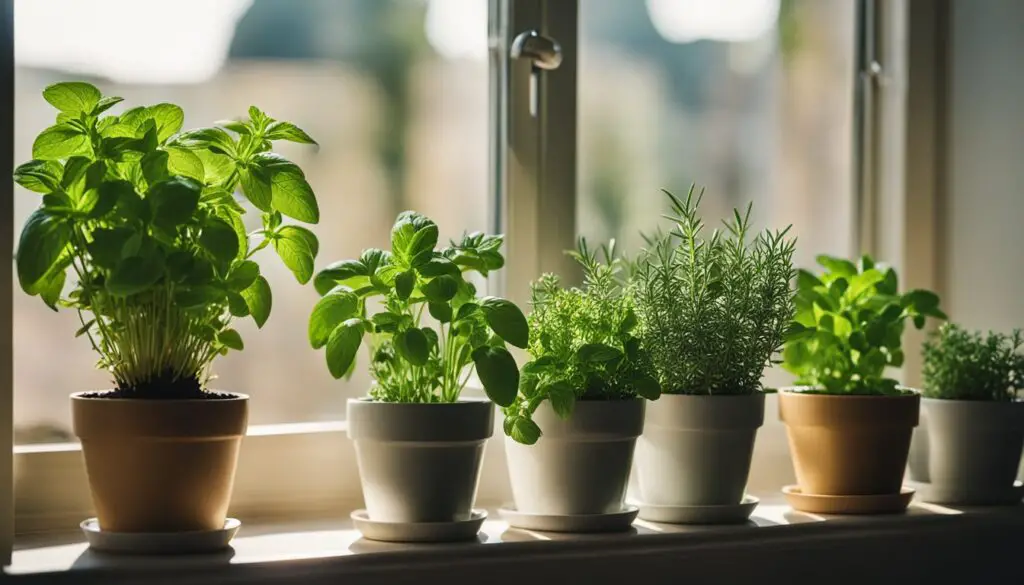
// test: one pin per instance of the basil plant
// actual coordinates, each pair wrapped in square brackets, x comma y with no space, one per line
[146,218]
[421,319]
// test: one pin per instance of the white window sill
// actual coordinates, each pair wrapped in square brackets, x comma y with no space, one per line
[927,542]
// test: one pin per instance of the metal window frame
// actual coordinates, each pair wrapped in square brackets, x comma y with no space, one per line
[533,158]
[6,281]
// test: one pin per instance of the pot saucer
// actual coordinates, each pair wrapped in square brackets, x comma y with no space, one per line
[970,496]
[870,504]
[714,514]
[579,523]
[457,530]
[159,543]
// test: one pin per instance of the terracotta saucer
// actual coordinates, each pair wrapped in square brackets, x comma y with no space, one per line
[577,523]
[871,504]
[419,531]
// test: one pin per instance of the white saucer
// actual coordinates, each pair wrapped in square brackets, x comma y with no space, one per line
[419,531]
[716,514]
[159,543]
[972,496]
[580,523]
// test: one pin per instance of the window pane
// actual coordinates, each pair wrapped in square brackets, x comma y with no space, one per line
[395,91]
[750,98]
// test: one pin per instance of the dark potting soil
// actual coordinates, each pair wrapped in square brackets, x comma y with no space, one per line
[163,387]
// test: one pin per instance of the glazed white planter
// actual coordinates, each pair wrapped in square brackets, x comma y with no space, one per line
[580,465]
[419,462]
[968,451]
[696,450]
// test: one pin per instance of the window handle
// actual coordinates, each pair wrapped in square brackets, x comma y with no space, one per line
[543,53]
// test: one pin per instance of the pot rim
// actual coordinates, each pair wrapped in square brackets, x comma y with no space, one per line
[964,401]
[460,402]
[909,393]
[235,397]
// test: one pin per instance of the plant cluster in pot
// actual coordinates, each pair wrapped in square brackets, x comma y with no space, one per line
[849,425]
[967,448]
[419,446]
[713,311]
[573,426]
[146,219]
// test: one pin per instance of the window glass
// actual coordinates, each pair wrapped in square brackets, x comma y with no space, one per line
[395,91]
[750,98]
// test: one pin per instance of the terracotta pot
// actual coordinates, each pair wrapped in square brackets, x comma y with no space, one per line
[696,450]
[849,445]
[968,450]
[419,462]
[580,465]
[160,465]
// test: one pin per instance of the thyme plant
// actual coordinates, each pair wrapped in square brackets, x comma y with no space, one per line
[412,361]
[582,344]
[146,218]
[713,307]
[849,327]
[969,365]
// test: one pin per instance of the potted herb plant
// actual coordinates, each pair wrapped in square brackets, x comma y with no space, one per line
[572,427]
[146,219]
[713,311]
[968,447]
[419,445]
[849,429]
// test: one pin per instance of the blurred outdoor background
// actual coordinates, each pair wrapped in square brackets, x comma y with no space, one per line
[751,98]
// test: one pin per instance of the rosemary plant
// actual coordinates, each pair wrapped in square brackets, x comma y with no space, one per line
[713,307]
[146,218]
[969,365]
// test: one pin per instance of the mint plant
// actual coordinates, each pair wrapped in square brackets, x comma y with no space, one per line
[713,308]
[412,361]
[971,365]
[849,327]
[146,218]
[582,344]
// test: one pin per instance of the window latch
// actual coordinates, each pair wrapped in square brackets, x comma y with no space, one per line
[543,53]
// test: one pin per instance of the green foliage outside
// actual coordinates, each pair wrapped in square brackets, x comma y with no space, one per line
[146,218]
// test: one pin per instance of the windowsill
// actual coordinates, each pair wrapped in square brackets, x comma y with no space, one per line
[325,550]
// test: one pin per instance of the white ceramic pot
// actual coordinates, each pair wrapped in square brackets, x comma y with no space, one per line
[580,465]
[696,450]
[968,451]
[419,462]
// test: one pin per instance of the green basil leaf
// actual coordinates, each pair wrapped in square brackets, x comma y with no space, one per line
[237,305]
[41,176]
[412,234]
[60,142]
[135,274]
[343,345]
[498,373]
[168,119]
[173,201]
[43,239]
[198,297]
[259,300]
[105,104]
[562,398]
[647,387]
[597,353]
[290,193]
[505,319]
[73,97]
[441,289]
[288,131]
[412,345]
[343,272]
[256,188]
[243,275]
[331,311]
[107,244]
[404,283]
[301,233]
[154,166]
[440,311]
[185,163]
[522,430]
[220,240]
[217,168]
[296,255]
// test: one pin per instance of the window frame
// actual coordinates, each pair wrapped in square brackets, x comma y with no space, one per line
[304,469]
